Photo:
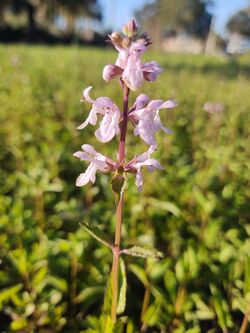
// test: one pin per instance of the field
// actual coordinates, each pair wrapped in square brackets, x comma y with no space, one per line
[196,211]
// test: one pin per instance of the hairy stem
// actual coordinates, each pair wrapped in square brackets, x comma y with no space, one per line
[119,210]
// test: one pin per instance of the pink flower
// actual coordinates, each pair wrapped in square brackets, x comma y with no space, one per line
[151,70]
[109,126]
[98,162]
[145,116]
[128,65]
[138,162]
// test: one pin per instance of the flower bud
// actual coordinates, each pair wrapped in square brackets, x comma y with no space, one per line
[116,38]
[111,71]
[126,42]
[130,29]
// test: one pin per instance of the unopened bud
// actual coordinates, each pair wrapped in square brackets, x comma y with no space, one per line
[126,42]
[116,38]
[130,29]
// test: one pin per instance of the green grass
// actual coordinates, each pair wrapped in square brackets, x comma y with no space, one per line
[196,211]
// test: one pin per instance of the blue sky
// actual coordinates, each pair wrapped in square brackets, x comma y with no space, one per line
[118,12]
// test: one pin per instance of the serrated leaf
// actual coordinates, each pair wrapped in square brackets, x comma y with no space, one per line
[122,295]
[137,251]
[97,233]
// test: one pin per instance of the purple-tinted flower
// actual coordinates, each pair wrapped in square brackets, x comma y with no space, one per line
[109,126]
[128,65]
[138,162]
[111,72]
[151,70]
[98,162]
[132,75]
[145,116]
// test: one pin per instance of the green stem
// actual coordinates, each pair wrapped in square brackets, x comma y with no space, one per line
[119,210]
[145,307]
[116,254]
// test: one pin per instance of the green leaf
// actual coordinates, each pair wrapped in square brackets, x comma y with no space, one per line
[165,206]
[152,314]
[39,279]
[8,293]
[118,328]
[247,275]
[18,324]
[137,251]
[122,295]
[221,309]
[203,312]
[108,325]
[58,283]
[97,233]
[89,295]
[108,296]
[140,274]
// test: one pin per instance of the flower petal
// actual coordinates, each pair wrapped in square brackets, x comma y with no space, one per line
[88,175]
[145,129]
[168,104]
[86,95]
[144,156]
[122,59]
[109,127]
[111,71]
[92,119]
[139,179]
[154,104]
[151,70]
[89,149]
[82,179]
[132,75]
[83,156]
[104,104]
[140,102]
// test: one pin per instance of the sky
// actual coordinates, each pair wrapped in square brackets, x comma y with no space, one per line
[118,12]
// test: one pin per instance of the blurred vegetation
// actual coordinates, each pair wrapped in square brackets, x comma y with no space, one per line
[196,211]
[240,22]
[48,21]
[167,17]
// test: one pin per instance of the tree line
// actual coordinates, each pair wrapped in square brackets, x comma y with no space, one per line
[37,15]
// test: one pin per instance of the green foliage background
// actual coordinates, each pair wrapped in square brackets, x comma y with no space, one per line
[196,211]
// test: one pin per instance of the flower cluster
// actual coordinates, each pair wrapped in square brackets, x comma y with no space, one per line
[128,65]
[143,114]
